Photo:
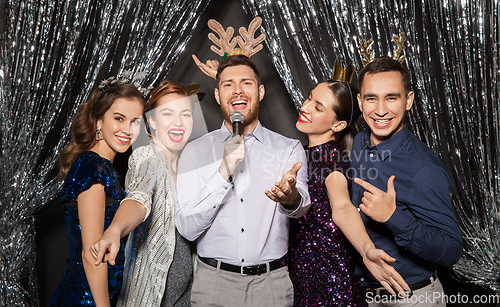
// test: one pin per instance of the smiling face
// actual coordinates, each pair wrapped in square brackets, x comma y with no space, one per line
[239,90]
[317,117]
[172,121]
[383,102]
[120,127]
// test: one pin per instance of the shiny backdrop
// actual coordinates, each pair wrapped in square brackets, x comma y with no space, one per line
[54,52]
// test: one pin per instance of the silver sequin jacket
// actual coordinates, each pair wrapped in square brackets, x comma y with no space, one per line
[150,247]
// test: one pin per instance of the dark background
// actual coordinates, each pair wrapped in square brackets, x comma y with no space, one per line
[277,112]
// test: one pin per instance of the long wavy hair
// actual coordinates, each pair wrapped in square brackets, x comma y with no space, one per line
[347,109]
[83,128]
[164,88]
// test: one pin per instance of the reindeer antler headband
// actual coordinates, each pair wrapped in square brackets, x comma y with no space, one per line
[249,45]
[366,45]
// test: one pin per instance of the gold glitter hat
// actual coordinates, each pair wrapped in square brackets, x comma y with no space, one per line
[194,89]
[342,74]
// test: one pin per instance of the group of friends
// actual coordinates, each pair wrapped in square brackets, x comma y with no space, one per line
[256,219]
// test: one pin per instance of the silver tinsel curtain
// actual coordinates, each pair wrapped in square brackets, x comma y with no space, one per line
[452,53]
[53,53]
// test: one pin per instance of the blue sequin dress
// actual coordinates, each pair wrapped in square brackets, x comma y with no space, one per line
[322,260]
[88,169]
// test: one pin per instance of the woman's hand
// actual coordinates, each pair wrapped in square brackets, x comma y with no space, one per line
[379,264]
[209,68]
[106,248]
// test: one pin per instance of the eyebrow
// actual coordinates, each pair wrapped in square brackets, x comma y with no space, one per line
[319,102]
[393,95]
[315,100]
[244,79]
[370,95]
[118,113]
[172,110]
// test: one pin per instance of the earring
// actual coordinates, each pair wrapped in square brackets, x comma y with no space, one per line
[98,134]
[333,130]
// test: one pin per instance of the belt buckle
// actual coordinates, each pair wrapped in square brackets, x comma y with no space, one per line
[242,273]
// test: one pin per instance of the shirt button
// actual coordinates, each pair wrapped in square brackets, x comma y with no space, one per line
[242,229]
[362,279]
[241,199]
[243,260]
[241,171]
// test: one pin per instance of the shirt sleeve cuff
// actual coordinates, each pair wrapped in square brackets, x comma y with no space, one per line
[219,181]
[399,221]
[301,208]
[289,212]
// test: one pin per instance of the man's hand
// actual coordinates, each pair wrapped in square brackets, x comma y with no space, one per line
[209,69]
[285,192]
[234,153]
[106,248]
[378,263]
[377,204]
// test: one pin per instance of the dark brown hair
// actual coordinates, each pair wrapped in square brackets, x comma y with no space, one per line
[83,128]
[384,64]
[235,60]
[346,109]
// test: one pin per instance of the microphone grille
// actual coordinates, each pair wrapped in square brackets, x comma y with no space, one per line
[237,116]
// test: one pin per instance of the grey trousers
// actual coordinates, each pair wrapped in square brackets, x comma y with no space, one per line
[215,287]
[429,296]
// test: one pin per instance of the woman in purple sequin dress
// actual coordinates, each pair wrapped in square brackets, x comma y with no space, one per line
[322,259]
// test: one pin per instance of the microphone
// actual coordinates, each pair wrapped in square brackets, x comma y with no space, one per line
[237,119]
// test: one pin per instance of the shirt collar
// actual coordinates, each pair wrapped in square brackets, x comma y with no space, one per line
[257,133]
[387,147]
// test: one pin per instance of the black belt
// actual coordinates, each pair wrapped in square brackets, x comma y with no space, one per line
[413,287]
[247,270]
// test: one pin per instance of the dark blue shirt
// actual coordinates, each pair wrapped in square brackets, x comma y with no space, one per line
[423,231]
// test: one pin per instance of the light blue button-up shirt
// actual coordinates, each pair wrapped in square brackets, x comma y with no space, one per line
[235,222]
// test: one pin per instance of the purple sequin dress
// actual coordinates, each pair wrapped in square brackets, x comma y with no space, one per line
[322,260]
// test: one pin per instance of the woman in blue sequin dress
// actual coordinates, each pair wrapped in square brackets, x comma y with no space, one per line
[105,125]
[322,260]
